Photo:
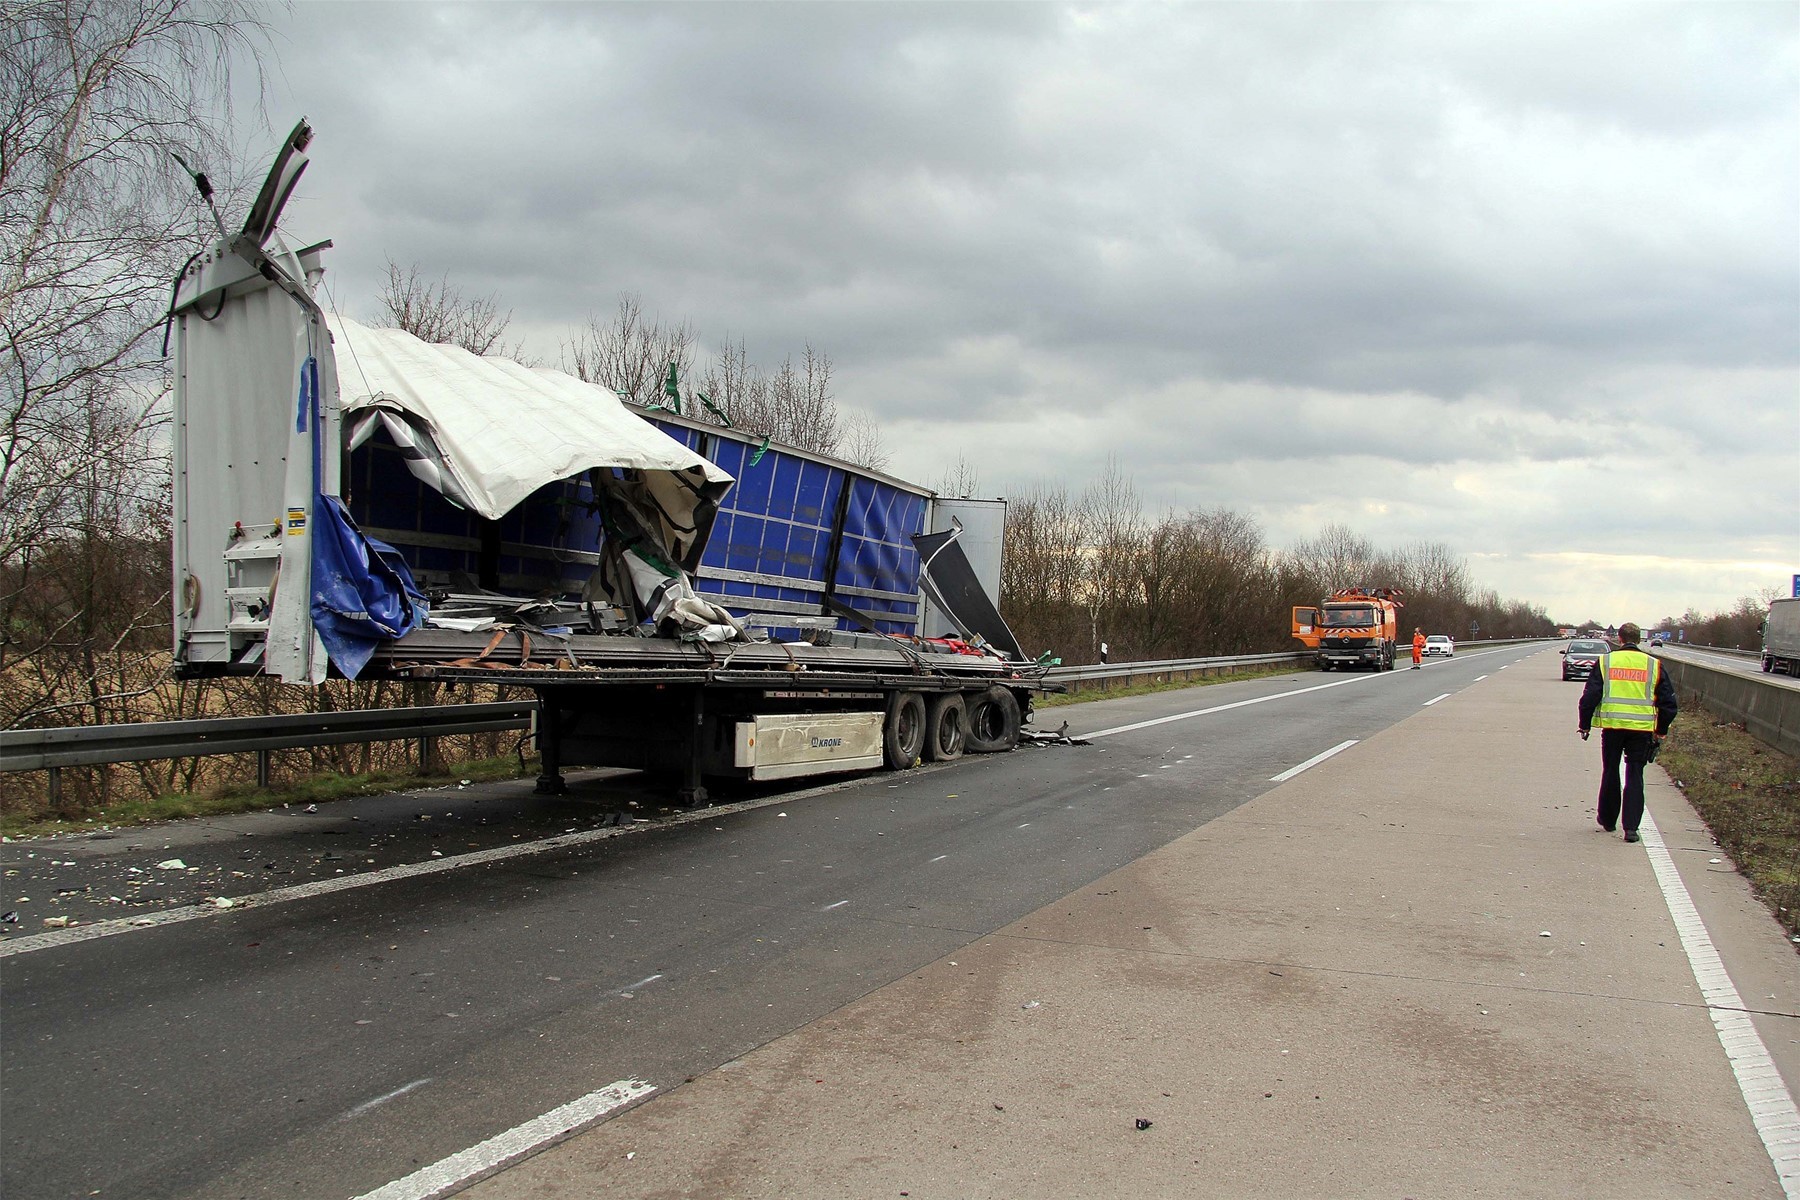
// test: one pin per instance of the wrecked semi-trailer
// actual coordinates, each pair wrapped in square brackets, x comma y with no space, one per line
[680,597]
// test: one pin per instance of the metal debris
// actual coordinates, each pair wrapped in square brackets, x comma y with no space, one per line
[1039,737]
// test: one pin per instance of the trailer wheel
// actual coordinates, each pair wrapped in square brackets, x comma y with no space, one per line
[903,733]
[946,726]
[994,721]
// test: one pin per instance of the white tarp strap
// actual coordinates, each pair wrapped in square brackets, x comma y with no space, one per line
[416,445]
[672,598]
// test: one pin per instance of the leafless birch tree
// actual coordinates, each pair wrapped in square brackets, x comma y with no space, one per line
[96,218]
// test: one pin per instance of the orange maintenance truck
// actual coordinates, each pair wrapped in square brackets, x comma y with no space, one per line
[1353,628]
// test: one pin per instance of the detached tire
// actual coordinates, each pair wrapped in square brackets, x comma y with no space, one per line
[994,720]
[903,733]
[946,727]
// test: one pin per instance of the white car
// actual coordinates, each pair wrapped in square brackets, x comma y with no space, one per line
[1439,644]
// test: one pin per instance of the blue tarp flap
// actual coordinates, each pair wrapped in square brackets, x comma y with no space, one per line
[363,594]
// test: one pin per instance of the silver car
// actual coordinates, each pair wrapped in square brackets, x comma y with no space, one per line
[1581,656]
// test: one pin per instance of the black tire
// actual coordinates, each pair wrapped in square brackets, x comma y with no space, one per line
[993,721]
[946,727]
[903,733]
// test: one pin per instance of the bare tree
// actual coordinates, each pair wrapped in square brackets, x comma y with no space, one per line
[1044,569]
[96,218]
[440,313]
[861,442]
[1337,557]
[732,385]
[629,352]
[960,479]
[1115,520]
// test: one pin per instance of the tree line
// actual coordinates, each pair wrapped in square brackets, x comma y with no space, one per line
[1082,568]
[1739,627]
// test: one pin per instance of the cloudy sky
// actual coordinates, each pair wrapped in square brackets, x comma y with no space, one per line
[1522,279]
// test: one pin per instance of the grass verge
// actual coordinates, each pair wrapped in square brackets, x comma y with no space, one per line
[1147,689]
[237,798]
[1749,796]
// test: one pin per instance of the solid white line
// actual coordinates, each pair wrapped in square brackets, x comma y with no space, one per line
[1435,699]
[1218,708]
[1225,707]
[378,1101]
[1314,761]
[1767,1097]
[449,1175]
[839,904]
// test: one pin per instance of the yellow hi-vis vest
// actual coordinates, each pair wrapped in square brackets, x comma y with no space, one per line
[1628,697]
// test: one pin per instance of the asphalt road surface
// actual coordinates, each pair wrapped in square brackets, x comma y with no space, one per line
[1737,664]
[327,1044]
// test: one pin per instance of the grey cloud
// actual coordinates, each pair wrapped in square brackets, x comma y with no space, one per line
[1539,242]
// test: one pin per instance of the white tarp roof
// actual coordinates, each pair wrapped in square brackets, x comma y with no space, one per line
[504,430]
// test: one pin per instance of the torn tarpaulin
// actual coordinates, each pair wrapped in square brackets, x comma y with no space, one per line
[362,592]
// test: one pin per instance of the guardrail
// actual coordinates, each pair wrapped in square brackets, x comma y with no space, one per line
[98,745]
[1770,713]
[1741,653]
[1086,678]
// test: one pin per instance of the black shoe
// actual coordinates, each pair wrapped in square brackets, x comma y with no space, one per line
[1631,835]
[1608,828]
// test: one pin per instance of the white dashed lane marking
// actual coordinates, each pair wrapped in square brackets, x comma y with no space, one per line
[1314,761]
[450,1175]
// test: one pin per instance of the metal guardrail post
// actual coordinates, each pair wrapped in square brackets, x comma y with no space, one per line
[262,768]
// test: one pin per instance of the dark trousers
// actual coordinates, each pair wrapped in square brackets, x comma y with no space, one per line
[1634,746]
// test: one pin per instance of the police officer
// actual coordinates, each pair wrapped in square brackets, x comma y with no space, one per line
[1630,698]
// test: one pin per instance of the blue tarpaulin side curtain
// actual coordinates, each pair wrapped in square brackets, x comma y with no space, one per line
[362,592]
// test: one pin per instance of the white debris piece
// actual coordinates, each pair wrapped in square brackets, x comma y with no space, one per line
[172,864]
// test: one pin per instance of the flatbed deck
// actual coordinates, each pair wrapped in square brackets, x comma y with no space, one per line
[533,659]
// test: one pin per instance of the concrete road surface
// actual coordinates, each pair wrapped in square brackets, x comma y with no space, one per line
[1416,969]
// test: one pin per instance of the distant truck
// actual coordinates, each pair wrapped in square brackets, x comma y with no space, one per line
[1352,628]
[682,598]
[1781,637]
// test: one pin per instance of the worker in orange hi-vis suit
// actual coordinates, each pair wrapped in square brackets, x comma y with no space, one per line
[1418,647]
